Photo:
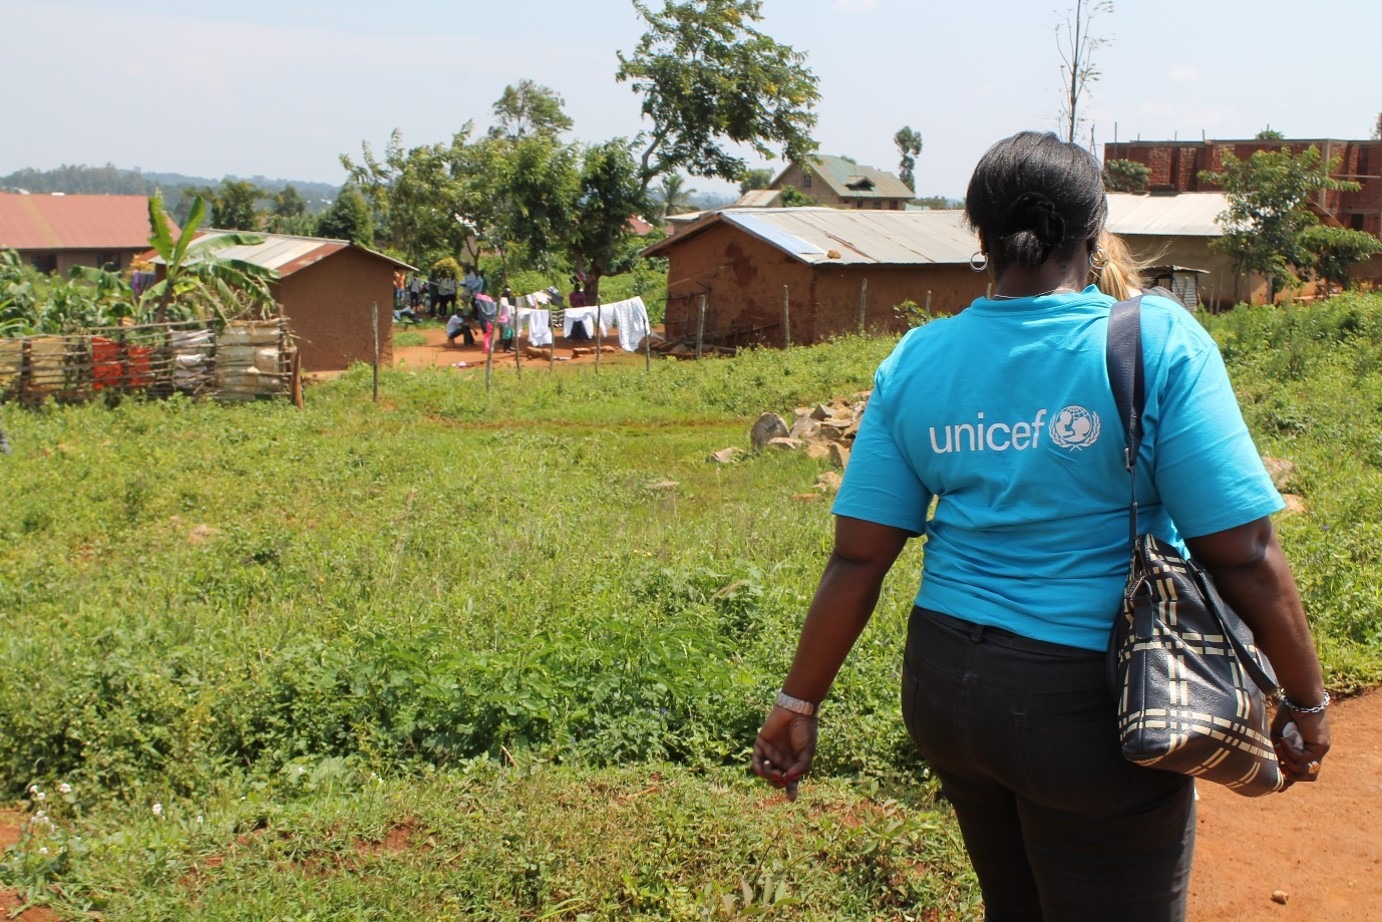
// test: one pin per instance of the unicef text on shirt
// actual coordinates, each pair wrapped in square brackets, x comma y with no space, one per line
[1072,428]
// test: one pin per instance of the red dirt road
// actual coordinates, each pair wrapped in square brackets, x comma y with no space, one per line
[1319,844]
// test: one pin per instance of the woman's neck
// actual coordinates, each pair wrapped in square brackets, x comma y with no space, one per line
[1047,278]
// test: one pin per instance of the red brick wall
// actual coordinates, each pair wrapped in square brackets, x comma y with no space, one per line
[328,308]
[1176,165]
[743,280]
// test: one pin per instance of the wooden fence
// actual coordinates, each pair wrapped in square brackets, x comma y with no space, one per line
[242,360]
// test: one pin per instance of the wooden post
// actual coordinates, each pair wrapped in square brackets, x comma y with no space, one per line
[786,319]
[863,300]
[599,337]
[928,302]
[489,351]
[700,327]
[552,346]
[513,319]
[374,327]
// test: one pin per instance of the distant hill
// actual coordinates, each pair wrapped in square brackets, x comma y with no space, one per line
[111,180]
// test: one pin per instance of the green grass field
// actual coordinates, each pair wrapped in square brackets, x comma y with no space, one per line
[465,654]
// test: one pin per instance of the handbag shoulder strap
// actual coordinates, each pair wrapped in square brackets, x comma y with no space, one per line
[1123,356]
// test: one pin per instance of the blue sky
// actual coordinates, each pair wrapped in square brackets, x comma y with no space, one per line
[282,89]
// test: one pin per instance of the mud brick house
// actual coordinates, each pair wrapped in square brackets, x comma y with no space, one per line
[832,270]
[839,183]
[57,232]
[1175,167]
[328,290]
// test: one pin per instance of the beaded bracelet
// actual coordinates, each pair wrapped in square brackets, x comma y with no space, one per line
[1290,705]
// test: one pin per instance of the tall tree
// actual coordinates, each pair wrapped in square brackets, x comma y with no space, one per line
[1077,43]
[709,79]
[672,196]
[1269,134]
[755,179]
[529,109]
[235,206]
[909,148]
[1268,224]
[599,238]
[348,218]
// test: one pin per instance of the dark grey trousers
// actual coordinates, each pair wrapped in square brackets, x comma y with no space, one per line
[1022,735]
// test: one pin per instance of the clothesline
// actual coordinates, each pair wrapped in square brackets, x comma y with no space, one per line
[629,317]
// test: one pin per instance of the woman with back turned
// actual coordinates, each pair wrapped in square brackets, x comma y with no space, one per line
[1004,416]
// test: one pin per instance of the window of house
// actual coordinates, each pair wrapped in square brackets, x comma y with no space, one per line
[45,262]
[806,180]
[109,261]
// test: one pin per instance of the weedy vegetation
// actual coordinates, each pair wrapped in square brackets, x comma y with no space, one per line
[501,654]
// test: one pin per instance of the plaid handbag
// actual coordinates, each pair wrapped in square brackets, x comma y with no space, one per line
[1189,682]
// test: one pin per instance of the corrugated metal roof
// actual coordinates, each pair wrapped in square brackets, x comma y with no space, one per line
[1189,214]
[74,222]
[759,198]
[284,253]
[855,180]
[839,237]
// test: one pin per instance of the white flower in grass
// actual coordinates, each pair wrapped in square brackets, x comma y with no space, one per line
[43,850]
[158,809]
[199,819]
[64,788]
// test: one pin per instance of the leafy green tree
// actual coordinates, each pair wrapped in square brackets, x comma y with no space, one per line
[1126,176]
[909,148]
[708,80]
[1269,134]
[599,239]
[1077,44]
[792,197]
[348,218]
[1267,227]
[529,109]
[1334,250]
[235,205]
[755,179]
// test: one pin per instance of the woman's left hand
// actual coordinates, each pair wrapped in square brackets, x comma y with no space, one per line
[784,749]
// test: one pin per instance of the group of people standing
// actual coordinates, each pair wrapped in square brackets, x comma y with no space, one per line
[480,309]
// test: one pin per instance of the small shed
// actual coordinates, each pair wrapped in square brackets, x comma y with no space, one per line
[763,273]
[329,291]
[56,232]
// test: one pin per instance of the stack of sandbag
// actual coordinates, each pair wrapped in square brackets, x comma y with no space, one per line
[250,360]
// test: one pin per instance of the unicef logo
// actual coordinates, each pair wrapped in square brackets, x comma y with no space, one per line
[1074,428]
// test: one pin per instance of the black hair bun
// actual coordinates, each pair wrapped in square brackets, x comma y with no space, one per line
[1037,213]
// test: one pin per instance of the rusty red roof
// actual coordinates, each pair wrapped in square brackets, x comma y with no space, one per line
[74,222]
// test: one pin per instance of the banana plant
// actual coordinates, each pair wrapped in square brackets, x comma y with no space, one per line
[193,269]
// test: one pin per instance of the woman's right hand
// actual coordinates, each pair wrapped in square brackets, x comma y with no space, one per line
[783,751]
[1300,762]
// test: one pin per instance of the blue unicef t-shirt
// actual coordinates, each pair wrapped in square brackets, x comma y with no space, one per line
[1004,415]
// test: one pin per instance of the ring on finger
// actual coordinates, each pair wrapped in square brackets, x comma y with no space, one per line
[1313,768]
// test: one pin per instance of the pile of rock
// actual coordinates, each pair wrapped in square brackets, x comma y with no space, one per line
[826,430]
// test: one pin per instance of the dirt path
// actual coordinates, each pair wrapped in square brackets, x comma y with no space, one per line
[437,352]
[1320,844]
